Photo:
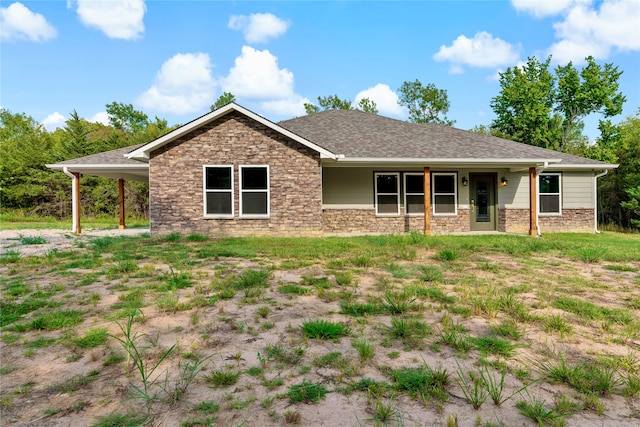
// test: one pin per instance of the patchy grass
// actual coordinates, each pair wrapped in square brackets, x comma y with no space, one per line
[255,325]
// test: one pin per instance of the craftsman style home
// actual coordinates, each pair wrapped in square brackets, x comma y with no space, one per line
[232,172]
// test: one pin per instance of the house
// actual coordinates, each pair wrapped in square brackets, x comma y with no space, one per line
[232,172]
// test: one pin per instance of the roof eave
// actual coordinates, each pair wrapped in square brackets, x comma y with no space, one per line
[443,161]
[143,153]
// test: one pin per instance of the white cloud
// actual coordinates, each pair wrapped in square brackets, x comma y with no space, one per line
[17,22]
[259,27]
[586,31]
[290,107]
[183,85]
[483,50]
[256,74]
[386,100]
[101,117]
[118,19]
[53,121]
[542,8]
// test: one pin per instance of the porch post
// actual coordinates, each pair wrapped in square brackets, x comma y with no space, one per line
[533,203]
[427,201]
[75,200]
[122,225]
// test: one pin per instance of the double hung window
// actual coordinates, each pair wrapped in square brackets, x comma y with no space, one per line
[549,194]
[254,191]
[444,193]
[413,193]
[218,191]
[387,194]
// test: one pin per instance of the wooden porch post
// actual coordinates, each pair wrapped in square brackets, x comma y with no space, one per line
[427,201]
[122,225]
[76,202]
[533,203]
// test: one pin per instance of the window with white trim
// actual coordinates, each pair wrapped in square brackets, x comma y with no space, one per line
[550,193]
[413,193]
[444,194]
[387,193]
[254,191]
[218,190]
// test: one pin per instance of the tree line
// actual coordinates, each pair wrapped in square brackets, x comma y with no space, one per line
[535,105]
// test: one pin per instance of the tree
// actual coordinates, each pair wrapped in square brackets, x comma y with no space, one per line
[224,99]
[426,104]
[124,117]
[592,90]
[523,107]
[334,102]
[539,108]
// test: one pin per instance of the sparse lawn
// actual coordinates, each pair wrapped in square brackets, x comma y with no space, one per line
[376,330]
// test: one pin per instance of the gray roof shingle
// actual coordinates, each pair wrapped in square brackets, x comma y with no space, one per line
[357,134]
[112,157]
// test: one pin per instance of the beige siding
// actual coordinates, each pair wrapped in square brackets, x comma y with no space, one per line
[577,190]
[514,195]
[347,188]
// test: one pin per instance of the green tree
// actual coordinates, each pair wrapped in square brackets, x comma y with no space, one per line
[224,99]
[525,103]
[334,102]
[126,118]
[547,110]
[426,104]
[580,93]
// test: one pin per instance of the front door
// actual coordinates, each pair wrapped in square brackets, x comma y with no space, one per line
[482,199]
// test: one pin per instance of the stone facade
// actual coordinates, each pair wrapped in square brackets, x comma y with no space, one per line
[176,180]
[571,220]
[362,221]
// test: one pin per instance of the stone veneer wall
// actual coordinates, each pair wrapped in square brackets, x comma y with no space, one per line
[176,186]
[366,221]
[572,220]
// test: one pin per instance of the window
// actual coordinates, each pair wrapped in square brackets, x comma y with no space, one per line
[549,194]
[414,194]
[387,194]
[254,191]
[444,194]
[218,191]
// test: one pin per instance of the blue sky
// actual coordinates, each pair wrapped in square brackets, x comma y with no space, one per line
[172,59]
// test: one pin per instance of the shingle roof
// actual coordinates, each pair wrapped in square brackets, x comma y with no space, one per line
[112,157]
[356,134]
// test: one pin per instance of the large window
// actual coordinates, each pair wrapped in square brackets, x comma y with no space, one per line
[549,194]
[414,193]
[218,191]
[254,191]
[387,194]
[444,194]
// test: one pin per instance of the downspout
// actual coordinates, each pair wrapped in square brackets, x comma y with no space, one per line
[595,200]
[74,202]
[538,170]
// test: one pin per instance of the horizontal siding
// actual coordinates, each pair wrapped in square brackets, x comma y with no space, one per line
[347,188]
[514,195]
[577,190]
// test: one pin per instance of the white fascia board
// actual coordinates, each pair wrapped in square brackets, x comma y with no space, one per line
[561,167]
[368,161]
[142,153]
[80,167]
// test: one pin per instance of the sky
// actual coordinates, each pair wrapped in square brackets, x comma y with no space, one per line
[173,59]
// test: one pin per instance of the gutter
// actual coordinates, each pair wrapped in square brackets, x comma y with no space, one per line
[595,200]
[74,201]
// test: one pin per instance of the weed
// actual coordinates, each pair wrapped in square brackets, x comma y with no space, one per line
[631,384]
[448,255]
[508,329]
[358,309]
[430,273]
[423,380]
[223,377]
[51,321]
[263,311]
[535,409]
[74,383]
[586,377]
[118,419]
[32,240]
[494,345]
[280,354]
[473,388]
[294,289]
[292,417]
[250,279]
[365,349]
[324,329]
[591,311]
[92,338]
[307,392]
[398,302]
[207,407]
[343,278]
[557,323]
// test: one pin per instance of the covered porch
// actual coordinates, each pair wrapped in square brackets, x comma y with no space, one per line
[110,164]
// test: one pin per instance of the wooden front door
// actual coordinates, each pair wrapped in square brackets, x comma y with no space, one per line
[482,199]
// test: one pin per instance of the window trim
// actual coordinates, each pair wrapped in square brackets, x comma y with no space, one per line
[454,194]
[241,191]
[205,190]
[376,194]
[406,193]
[559,194]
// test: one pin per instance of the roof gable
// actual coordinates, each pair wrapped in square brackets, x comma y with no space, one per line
[142,153]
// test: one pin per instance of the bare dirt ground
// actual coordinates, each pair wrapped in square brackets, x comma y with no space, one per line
[235,336]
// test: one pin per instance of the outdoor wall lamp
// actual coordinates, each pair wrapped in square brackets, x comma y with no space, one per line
[465,181]
[504,181]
